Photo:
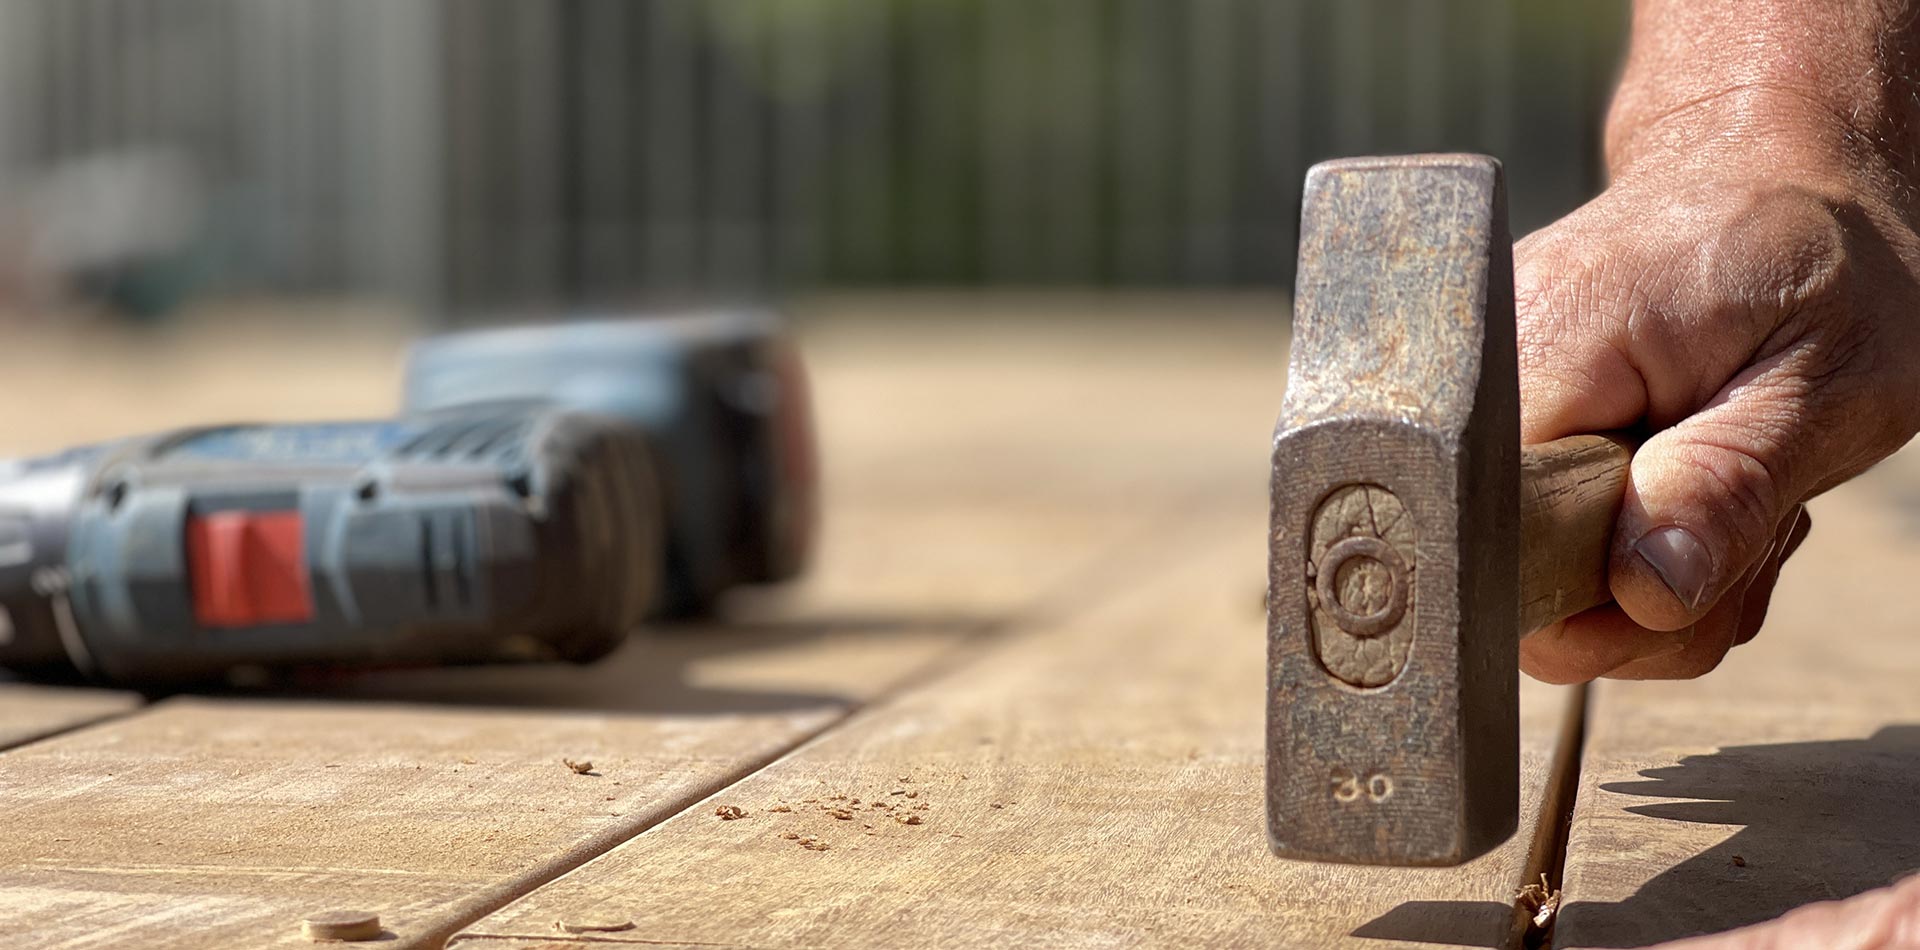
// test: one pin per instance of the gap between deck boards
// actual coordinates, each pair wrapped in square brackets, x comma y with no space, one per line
[1547,856]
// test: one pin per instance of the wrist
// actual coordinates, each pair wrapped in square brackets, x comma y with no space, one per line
[1770,132]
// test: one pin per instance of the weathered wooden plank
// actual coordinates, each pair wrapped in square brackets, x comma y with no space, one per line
[975,484]
[1097,784]
[29,712]
[1789,775]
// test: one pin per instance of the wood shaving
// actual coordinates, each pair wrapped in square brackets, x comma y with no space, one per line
[573,927]
[1540,901]
[730,812]
[582,767]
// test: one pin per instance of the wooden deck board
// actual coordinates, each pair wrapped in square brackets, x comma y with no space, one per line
[29,712]
[1096,784]
[980,481]
[1789,775]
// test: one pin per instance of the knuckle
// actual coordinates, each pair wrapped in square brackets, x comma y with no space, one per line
[1742,470]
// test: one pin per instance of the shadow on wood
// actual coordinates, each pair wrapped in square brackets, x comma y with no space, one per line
[755,666]
[1450,923]
[1819,821]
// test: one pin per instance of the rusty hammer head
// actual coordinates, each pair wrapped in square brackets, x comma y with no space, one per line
[1392,708]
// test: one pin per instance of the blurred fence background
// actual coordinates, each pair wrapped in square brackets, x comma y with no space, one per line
[464,155]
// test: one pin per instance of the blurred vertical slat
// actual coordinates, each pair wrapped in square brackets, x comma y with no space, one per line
[865,182]
[1272,44]
[941,101]
[1424,83]
[1143,112]
[603,202]
[735,140]
[802,71]
[392,173]
[1209,131]
[1075,151]
[1006,139]
[672,205]
[535,223]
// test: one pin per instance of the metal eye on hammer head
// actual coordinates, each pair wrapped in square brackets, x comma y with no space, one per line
[1364,586]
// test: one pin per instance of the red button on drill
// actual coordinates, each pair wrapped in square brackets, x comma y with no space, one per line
[249,568]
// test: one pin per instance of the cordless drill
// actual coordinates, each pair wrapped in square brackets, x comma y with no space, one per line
[513,512]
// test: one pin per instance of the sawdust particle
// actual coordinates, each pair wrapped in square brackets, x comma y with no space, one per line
[791,835]
[784,809]
[907,819]
[814,844]
[840,814]
[468,760]
[915,793]
[582,767]
[997,805]
[1739,861]
[730,812]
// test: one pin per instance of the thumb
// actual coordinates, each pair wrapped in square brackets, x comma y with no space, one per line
[1707,497]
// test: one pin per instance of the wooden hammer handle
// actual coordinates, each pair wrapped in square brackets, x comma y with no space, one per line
[1570,493]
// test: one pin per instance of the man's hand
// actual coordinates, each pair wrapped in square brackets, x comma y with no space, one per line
[1746,289]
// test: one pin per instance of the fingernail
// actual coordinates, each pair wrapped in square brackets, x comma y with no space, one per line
[1680,560]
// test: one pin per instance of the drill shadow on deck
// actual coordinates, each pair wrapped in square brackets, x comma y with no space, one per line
[656,672]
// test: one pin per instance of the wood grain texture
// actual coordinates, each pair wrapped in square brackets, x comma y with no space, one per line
[1096,784]
[1789,775]
[982,479]
[1570,493]
[29,712]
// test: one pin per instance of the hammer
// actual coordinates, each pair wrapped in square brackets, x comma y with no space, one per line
[1413,540]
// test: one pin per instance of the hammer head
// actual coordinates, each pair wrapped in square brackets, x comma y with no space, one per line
[1392,704]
